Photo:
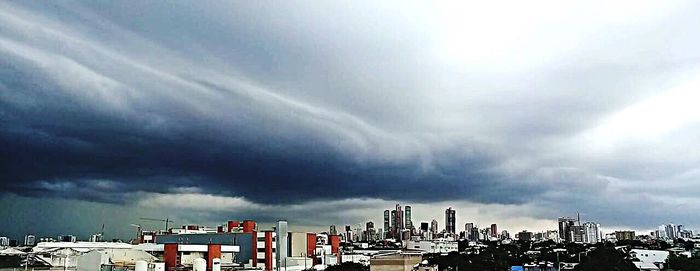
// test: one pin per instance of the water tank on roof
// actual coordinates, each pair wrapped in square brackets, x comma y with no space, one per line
[216,264]
[141,266]
[199,265]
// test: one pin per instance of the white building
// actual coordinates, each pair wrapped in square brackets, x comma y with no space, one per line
[591,233]
[434,246]
[4,241]
[29,240]
[655,257]
[96,259]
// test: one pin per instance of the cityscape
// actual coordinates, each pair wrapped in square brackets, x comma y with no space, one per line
[400,244]
[362,135]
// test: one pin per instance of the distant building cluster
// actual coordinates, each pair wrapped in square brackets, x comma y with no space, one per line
[243,245]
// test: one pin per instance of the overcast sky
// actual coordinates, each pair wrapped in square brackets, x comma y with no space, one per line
[328,112]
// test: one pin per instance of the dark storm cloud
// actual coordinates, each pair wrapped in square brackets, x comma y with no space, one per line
[287,103]
[57,146]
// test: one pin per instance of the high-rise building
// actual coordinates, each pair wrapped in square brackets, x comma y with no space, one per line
[424,227]
[282,245]
[670,231]
[576,234]
[450,220]
[505,235]
[469,232]
[565,224]
[369,231]
[387,225]
[591,233]
[392,228]
[524,235]
[4,241]
[494,230]
[434,227]
[333,230]
[408,224]
[30,240]
[96,237]
[475,234]
[399,219]
[624,235]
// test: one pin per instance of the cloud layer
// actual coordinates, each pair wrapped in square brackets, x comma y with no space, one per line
[542,110]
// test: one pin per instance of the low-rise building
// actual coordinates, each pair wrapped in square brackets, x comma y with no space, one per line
[404,261]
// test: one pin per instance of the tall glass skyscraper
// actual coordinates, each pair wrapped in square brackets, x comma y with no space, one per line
[407,213]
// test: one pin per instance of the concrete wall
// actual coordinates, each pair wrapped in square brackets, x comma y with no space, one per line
[297,244]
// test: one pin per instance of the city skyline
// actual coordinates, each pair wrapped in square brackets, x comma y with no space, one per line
[330,113]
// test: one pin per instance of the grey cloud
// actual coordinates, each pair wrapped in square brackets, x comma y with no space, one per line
[285,103]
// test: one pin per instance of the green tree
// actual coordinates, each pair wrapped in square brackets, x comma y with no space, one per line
[605,258]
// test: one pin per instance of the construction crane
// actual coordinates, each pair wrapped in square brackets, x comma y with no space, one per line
[166,220]
[138,231]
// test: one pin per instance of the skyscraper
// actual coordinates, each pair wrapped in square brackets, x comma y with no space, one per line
[392,229]
[576,233]
[407,213]
[399,219]
[591,233]
[386,223]
[369,231]
[434,227]
[468,231]
[424,226]
[450,220]
[565,224]
[494,230]
[333,230]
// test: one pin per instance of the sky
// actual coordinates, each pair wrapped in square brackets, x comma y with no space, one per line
[329,112]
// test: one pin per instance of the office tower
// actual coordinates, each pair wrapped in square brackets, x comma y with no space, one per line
[399,219]
[407,212]
[369,231]
[565,224]
[468,231]
[434,227]
[4,241]
[392,229]
[576,233]
[670,231]
[494,230]
[424,226]
[281,246]
[369,226]
[387,224]
[333,230]
[591,233]
[450,219]
[474,234]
